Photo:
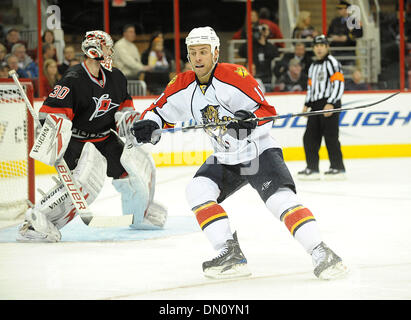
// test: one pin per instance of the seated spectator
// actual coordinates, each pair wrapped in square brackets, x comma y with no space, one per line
[4,72]
[263,55]
[13,37]
[13,64]
[342,35]
[51,76]
[69,55]
[48,38]
[49,52]
[356,82]
[159,59]
[281,66]
[304,29]
[25,61]
[144,55]
[275,32]
[127,57]
[293,79]
[3,53]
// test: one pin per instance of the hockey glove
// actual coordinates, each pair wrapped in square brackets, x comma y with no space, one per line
[145,131]
[240,129]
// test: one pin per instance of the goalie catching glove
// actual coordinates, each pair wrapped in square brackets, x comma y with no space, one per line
[146,131]
[240,129]
[53,140]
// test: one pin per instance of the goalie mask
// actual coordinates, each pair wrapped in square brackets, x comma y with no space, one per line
[92,47]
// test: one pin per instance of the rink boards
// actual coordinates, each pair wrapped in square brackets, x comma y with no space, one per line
[383,130]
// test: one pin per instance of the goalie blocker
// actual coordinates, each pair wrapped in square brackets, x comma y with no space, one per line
[53,140]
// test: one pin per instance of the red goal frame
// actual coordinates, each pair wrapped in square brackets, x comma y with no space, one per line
[28,85]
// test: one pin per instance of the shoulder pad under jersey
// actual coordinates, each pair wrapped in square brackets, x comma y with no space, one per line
[239,77]
[179,82]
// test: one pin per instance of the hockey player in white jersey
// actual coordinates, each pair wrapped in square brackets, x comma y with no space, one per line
[244,153]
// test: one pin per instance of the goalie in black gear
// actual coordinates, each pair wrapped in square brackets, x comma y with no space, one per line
[90,99]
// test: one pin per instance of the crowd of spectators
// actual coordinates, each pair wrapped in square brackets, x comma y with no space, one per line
[15,55]
[276,66]
[286,69]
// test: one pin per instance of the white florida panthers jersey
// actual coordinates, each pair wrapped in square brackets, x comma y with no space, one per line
[230,88]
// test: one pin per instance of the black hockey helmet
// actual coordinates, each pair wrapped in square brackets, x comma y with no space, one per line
[320,39]
[343,5]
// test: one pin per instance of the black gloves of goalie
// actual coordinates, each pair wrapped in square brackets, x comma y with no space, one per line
[143,131]
[241,129]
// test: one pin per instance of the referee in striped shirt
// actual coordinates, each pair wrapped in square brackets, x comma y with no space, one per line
[324,91]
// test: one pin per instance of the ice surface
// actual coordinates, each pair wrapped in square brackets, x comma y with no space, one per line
[365,219]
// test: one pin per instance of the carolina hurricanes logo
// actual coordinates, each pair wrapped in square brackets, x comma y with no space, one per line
[103,105]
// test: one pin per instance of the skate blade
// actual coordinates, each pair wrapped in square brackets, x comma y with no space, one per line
[337,177]
[336,271]
[35,237]
[312,177]
[23,239]
[237,271]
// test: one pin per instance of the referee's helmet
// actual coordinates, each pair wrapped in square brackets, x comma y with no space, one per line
[320,39]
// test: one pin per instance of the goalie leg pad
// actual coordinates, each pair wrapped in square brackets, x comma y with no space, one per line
[89,174]
[154,219]
[134,197]
[137,190]
[139,164]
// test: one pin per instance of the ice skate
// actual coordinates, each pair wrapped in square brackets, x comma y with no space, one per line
[327,265]
[335,174]
[37,228]
[230,263]
[309,175]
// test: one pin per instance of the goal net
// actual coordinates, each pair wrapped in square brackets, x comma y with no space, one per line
[16,140]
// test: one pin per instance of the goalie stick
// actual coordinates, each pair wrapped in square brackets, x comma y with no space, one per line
[280,116]
[70,184]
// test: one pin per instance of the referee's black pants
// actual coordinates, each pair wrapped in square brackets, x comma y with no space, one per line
[317,128]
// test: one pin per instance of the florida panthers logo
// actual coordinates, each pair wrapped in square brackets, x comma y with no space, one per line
[210,114]
[103,105]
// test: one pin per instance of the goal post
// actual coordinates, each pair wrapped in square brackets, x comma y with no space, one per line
[17,176]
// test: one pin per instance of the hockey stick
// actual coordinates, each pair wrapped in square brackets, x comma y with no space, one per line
[279,116]
[66,178]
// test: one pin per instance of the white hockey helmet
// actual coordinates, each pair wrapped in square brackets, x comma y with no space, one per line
[203,35]
[92,47]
